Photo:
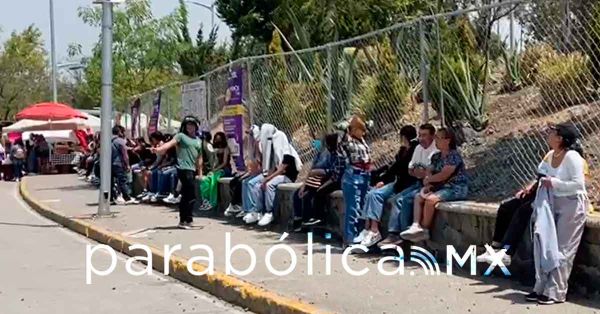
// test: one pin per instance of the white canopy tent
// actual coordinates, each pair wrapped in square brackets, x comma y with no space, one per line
[54,136]
[26,125]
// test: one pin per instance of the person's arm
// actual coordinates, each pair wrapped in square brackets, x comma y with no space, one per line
[223,165]
[447,171]
[125,156]
[576,181]
[161,150]
[279,171]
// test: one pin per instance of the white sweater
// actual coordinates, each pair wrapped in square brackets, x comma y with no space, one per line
[569,177]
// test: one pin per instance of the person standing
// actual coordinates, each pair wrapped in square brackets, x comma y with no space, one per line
[189,166]
[120,167]
[355,181]
[559,215]
[17,156]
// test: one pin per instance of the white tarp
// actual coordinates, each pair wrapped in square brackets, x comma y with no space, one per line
[53,136]
[25,125]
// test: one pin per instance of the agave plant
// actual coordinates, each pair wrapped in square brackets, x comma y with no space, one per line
[513,77]
[459,86]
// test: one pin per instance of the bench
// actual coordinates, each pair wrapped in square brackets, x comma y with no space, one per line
[460,224]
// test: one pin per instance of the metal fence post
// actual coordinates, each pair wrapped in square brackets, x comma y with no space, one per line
[249,98]
[208,99]
[424,73]
[329,88]
[567,24]
[439,69]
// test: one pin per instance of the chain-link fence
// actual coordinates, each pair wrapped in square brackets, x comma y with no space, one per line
[496,74]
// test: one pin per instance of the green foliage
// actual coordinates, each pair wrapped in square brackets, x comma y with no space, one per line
[24,77]
[145,52]
[202,56]
[383,95]
[249,18]
[513,78]
[565,79]
[461,85]
[531,59]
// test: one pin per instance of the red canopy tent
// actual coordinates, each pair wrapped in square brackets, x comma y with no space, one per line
[49,111]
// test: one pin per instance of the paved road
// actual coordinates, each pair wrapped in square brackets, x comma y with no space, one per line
[42,270]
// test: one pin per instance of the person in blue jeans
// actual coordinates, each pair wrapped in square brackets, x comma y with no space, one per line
[392,179]
[401,215]
[446,181]
[355,182]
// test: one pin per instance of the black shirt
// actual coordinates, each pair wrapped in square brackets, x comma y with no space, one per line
[398,170]
[291,171]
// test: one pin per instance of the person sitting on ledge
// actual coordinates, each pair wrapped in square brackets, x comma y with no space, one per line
[401,215]
[311,199]
[394,180]
[281,164]
[446,181]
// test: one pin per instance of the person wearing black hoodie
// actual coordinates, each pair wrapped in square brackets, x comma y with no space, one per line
[390,180]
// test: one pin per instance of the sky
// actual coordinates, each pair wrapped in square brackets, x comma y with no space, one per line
[18,14]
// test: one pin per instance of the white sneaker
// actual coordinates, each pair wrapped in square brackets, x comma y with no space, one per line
[241,214]
[361,236]
[154,198]
[412,232]
[205,206]
[371,239]
[506,259]
[147,197]
[266,219]
[252,218]
[232,210]
[132,201]
[120,200]
[177,200]
[169,199]
[421,236]
[484,258]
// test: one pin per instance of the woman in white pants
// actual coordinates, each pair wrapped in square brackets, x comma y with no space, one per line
[559,214]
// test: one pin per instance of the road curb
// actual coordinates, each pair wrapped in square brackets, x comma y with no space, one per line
[226,287]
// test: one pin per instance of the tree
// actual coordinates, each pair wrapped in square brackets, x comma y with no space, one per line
[145,51]
[249,17]
[23,72]
[202,56]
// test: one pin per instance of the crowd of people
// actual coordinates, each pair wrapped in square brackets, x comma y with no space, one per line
[427,169]
[30,156]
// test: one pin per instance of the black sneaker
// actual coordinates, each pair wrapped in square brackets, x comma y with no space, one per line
[544,300]
[532,297]
[312,222]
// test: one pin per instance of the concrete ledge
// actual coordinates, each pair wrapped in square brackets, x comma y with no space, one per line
[460,224]
[228,288]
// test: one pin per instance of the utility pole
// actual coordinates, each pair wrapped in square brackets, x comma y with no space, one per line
[53,52]
[106,109]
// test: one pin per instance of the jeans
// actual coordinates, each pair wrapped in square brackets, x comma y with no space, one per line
[167,180]
[154,176]
[18,168]
[250,201]
[375,201]
[354,186]
[271,191]
[314,201]
[401,216]
[120,181]
[188,195]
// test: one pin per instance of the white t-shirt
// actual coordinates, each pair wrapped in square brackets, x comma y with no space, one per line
[569,177]
[422,156]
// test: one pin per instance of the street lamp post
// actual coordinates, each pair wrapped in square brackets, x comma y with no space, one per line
[209,7]
[53,52]
[106,109]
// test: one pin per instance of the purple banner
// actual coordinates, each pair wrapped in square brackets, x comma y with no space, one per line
[153,125]
[233,126]
[135,118]
[236,87]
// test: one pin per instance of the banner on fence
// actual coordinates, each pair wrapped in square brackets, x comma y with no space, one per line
[135,118]
[233,126]
[193,100]
[236,87]
[153,125]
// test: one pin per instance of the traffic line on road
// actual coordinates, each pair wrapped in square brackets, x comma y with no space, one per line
[226,287]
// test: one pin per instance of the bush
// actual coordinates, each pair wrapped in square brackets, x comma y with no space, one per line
[513,75]
[531,59]
[382,96]
[565,79]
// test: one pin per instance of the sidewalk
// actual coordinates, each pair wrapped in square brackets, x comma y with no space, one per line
[338,292]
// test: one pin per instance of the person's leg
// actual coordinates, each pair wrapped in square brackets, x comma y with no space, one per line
[271,192]
[319,203]
[257,195]
[188,196]
[374,203]
[570,216]
[354,187]
[429,210]
[122,184]
[235,189]
[251,196]
[297,203]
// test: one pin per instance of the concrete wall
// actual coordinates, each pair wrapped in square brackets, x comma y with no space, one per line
[458,223]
